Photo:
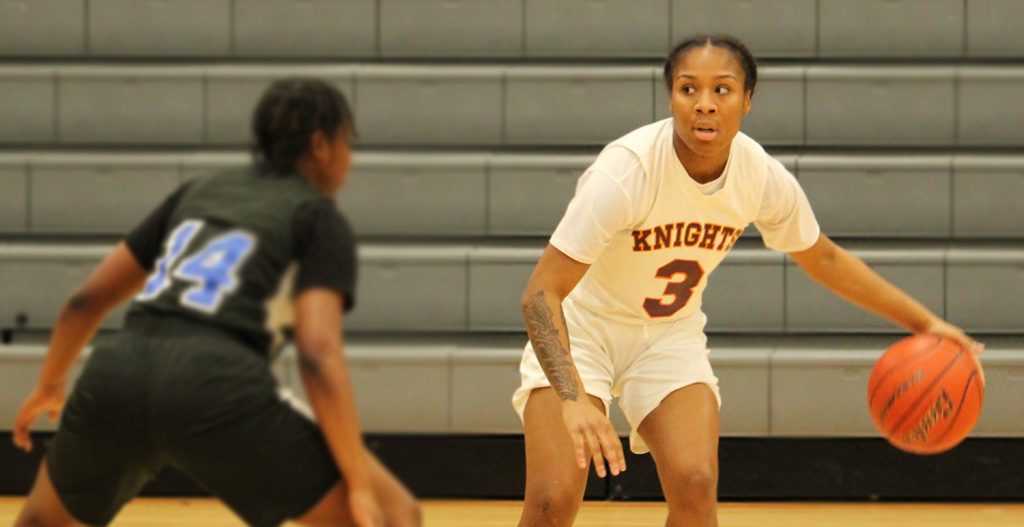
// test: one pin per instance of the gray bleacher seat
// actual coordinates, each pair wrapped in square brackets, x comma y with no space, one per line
[134,105]
[39,278]
[902,28]
[19,368]
[497,277]
[122,190]
[746,293]
[993,28]
[987,194]
[310,28]
[575,105]
[483,380]
[232,93]
[413,378]
[879,196]
[42,27]
[880,106]
[428,105]
[159,27]
[780,28]
[527,195]
[451,28]
[1002,415]
[597,28]
[821,392]
[27,96]
[416,194]
[989,109]
[812,308]
[13,193]
[424,376]
[411,288]
[788,160]
[777,109]
[985,289]
[200,164]
[744,380]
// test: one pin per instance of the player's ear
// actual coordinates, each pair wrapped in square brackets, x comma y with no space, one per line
[320,147]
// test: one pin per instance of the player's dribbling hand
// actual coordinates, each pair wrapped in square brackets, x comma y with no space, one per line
[365,511]
[42,399]
[945,329]
[591,430]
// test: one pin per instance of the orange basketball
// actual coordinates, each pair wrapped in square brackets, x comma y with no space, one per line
[925,394]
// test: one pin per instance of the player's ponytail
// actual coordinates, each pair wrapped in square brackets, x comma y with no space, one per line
[286,117]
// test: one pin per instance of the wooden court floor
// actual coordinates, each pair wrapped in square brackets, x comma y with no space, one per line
[210,513]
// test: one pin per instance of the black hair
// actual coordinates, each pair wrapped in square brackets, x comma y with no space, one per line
[729,42]
[288,114]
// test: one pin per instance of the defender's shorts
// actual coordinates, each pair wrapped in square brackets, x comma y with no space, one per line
[641,364]
[169,392]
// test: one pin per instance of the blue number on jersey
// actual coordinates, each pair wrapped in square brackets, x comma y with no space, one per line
[176,244]
[214,270]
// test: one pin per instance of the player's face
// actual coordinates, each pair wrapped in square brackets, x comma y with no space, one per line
[708,100]
[339,162]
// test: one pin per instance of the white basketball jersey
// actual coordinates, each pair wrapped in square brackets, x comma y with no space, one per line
[653,235]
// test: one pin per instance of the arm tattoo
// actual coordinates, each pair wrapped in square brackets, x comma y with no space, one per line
[554,358]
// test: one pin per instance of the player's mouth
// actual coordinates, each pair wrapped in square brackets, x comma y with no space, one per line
[705,132]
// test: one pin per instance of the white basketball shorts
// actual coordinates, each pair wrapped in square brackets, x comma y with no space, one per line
[641,364]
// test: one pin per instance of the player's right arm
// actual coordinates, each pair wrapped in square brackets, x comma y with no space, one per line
[553,279]
[605,203]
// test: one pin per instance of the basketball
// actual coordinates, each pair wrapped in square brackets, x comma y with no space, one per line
[925,394]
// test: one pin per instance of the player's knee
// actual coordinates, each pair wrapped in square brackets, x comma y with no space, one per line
[552,506]
[30,519]
[693,483]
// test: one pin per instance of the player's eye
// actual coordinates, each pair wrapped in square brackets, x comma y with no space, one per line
[722,90]
[688,90]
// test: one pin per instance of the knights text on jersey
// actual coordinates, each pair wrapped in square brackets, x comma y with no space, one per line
[653,235]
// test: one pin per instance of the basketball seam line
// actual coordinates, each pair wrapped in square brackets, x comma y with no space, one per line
[888,373]
[924,393]
[959,407]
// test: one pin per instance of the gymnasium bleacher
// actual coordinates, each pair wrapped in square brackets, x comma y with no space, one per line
[902,119]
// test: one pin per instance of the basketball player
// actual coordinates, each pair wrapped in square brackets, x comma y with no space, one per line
[613,307]
[216,271]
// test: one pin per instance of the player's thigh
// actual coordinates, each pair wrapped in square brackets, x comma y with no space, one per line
[43,506]
[398,504]
[682,433]
[549,447]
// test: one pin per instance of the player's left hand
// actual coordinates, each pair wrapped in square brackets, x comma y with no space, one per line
[941,327]
[945,329]
[42,399]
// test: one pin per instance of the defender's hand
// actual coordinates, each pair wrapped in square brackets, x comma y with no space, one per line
[42,399]
[365,510]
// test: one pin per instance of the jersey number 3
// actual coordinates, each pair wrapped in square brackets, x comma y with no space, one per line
[679,291]
[213,270]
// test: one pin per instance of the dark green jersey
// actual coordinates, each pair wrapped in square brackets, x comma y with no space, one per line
[230,250]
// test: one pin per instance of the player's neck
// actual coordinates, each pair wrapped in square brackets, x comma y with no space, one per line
[702,169]
[308,169]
